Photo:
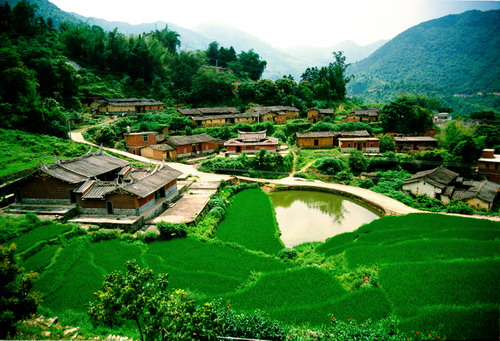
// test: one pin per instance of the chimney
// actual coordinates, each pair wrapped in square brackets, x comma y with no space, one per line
[488,153]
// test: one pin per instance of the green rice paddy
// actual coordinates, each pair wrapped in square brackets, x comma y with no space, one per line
[251,222]
[436,273]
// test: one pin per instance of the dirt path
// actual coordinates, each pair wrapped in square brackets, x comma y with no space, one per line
[388,205]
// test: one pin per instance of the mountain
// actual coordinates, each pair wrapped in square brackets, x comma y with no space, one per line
[189,39]
[278,63]
[320,56]
[457,54]
[46,9]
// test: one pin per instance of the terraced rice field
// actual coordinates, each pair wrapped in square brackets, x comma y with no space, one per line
[434,272]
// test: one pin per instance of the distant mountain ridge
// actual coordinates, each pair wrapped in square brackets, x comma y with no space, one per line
[457,54]
[279,61]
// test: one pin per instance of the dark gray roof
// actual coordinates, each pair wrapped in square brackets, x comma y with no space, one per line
[183,140]
[415,139]
[209,111]
[215,117]
[324,111]
[252,136]
[354,133]
[124,102]
[366,112]
[81,168]
[162,146]
[276,109]
[139,182]
[484,190]
[439,177]
[312,134]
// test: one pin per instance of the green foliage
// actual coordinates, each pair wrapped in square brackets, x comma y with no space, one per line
[329,165]
[139,296]
[329,82]
[461,65]
[387,144]
[357,161]
[405,116]
[241,225]
[22,151]
[17,301]
[287,253]
[169,230]
[255,325]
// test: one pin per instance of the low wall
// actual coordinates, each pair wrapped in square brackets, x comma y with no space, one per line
[369,203]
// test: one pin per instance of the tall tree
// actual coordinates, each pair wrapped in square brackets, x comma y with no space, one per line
[17,301]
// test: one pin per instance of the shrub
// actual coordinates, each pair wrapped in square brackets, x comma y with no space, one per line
[330,165]
[217,212]
[459,207]
[169,230]
[366,183]
[357,161]
[256,325]
[287,253]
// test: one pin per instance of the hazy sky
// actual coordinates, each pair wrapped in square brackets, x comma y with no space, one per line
[282,22]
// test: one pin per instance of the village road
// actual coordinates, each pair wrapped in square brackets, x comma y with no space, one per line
[391,206]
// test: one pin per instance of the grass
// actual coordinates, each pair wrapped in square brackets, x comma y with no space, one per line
[309,155]
[40,233]
[22,150]
[436,273]
[250,221]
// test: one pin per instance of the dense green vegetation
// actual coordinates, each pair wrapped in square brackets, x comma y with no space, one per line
[369,274]
[22,150]
[456,54]
[241,223]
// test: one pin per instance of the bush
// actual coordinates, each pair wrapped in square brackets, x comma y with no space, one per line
[366,183]
[287,253]
[459,207]
[330,165]
[170,231]
[217,212]
[256,325]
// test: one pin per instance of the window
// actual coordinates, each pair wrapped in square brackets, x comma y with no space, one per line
[316,143]
[348,145]
[145,138]
[185,150]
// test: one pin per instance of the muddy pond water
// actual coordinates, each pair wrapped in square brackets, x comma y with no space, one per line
[309,216]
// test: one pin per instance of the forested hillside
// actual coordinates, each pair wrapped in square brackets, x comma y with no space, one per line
[456,54]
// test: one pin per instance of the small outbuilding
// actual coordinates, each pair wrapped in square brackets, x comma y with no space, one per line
[415,143]
[251,142]
[133,192]
[364,144]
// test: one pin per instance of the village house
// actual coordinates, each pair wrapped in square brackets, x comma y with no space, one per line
[217,116]
[488,165]
[477,194]
[134,191]
[315,115]
[326,139]
[193,145]
[446,185]
[430,182]
[137,140]
[251,142]
[415,143]
[364,144]
[365,115]
[277,114]
[442,118]
[55,183]
[125,105]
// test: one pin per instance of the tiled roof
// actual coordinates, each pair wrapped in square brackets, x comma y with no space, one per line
[484,190]
[439,177]
[162,146]
[183,140]
[312,134]
[415,139]
[81,168]
[252,138]
[139,182]
[215,117]
[125,102]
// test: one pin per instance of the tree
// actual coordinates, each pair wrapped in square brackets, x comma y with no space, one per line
[404,116]
[17,301]
[387,144]
[329,82]
[211,87]
[139,296]
[249,65]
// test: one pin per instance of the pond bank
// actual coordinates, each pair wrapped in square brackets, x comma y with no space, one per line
[379,202]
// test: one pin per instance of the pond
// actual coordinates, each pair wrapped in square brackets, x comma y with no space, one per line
[309,216]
